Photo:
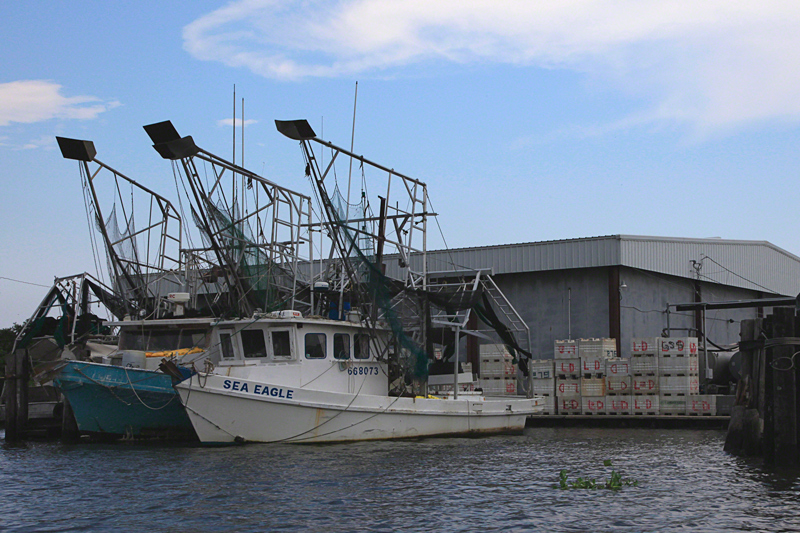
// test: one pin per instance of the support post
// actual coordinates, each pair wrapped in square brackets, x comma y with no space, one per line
[69,426]
[10,392]
[473,347]
[23,373]
[614,308]
[784,391]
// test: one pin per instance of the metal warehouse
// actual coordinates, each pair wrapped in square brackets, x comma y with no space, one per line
[621,286]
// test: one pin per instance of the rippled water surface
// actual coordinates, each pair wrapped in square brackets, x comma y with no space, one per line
[686,483]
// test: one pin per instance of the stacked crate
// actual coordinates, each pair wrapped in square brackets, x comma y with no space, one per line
[593,354]
[678,377]
[618,386]
[701,405]
[567,373]
[644,376]
[498,372]
[544,383]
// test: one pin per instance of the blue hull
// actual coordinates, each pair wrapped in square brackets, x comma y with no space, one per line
[115,401]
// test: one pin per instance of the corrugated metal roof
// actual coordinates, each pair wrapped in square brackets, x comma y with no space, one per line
[756,265]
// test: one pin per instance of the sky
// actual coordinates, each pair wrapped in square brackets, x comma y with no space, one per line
[529,121]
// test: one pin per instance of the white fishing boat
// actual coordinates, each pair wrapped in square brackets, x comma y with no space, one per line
[359,372]
[307,380]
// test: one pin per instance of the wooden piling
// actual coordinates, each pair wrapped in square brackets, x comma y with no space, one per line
[11,399]
[784,391]
[16,394]
[69,426]
[744,428]
[23,374]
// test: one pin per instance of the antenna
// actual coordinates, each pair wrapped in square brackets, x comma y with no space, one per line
[352,140]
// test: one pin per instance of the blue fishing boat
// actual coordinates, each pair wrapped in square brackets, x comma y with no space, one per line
[117,401]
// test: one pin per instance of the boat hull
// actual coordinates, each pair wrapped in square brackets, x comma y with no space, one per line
[114,401]
[224,410]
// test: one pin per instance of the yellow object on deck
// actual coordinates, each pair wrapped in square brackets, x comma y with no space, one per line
[174,353]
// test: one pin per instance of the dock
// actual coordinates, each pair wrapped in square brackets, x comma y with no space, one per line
[629,421]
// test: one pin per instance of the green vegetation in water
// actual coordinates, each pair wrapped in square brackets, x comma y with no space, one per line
[616,481]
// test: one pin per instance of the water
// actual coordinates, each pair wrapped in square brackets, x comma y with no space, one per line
[686,483]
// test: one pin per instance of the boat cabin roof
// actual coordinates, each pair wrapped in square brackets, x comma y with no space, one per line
[209,321]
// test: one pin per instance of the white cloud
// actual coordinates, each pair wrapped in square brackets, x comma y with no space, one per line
[29,101]
[229,122]
[712,63]
[45,141]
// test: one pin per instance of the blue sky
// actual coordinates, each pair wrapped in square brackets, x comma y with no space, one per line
[528,121]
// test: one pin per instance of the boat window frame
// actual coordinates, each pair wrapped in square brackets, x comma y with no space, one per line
[357,339]
[250,331]
[324,337]
[230,334]
[271,346]
[349,346]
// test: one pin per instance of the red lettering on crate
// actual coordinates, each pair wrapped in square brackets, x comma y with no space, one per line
[596,405]
[569,404]
[619,405]
[642,403]
[567,368]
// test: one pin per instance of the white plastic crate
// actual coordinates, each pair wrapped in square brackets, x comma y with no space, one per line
[644,385]
[567,367]
[542,368]
[567,349]
[494,349]
[644,345]
[616,385]
[593,405]
[498,386]
[702,405]
[676,385]
[568,406]
[678,364]
[568,387]
[618,405]
[618,367]
[677,345]
[593,365]
[593,387]
[544,386]
[597,348]
[645,405]
[644,364]
[493,367]
[672,405]
[548,405]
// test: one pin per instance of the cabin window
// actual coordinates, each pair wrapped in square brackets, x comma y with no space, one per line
[341,346]
[159,340]
[315,346]
[281,344]
[362,346]
[253,343]
[226,345]
[193,338]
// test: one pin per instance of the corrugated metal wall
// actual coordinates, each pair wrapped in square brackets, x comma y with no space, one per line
[754,265]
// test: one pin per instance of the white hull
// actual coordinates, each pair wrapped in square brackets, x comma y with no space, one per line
[220,414]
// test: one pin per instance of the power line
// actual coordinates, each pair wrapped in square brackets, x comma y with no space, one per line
[25,282]
[737,275]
